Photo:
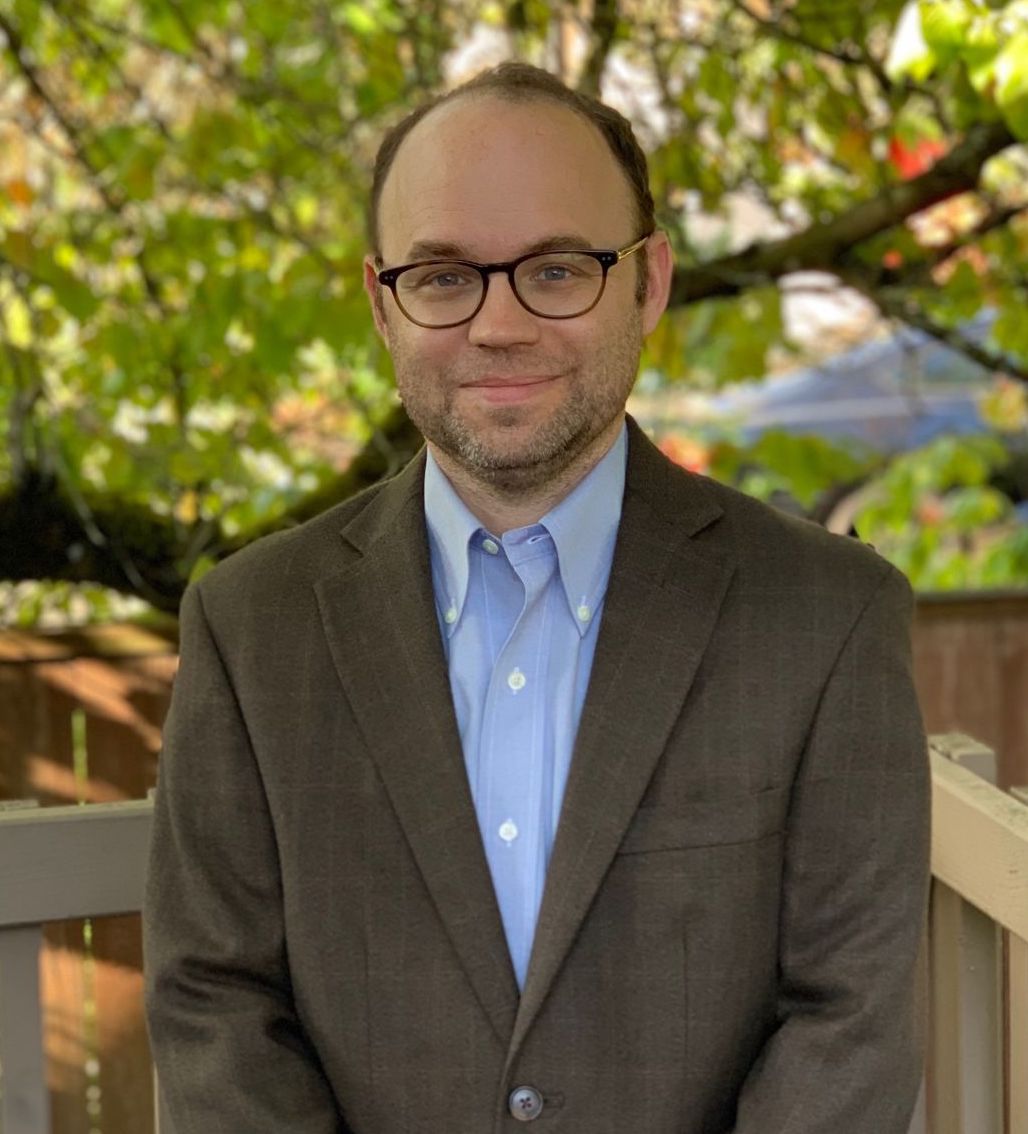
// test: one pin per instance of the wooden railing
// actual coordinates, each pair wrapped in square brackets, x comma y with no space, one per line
[978,942]
[89,861]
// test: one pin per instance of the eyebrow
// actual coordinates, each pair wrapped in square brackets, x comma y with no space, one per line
[445,249]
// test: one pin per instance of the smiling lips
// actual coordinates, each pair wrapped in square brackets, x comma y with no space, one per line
[514,389]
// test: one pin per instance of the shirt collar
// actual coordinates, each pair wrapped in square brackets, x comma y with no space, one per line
[451,524]
[583,527]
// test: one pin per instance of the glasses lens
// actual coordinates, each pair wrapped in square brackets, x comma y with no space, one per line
[559,284]
[440,293]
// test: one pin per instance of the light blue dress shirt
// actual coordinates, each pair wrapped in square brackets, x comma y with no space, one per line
[520,615]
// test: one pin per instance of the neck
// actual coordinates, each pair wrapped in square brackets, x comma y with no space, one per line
[503,508]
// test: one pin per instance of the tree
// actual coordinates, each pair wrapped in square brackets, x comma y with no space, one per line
[182,328]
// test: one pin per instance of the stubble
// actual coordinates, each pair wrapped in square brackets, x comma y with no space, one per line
[497,449]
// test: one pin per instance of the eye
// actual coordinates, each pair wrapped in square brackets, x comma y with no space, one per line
[439,277]
[447,279]
[562,269]
[553,273]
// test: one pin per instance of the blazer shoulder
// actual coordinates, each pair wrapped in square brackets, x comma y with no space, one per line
[766,545]
[775,547]
[288,559]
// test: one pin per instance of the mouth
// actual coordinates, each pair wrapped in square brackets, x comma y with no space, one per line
[514,388]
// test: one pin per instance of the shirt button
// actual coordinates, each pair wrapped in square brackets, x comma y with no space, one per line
[451,615]
[525,1104]
[491,546]
[508,831]
[516,679]
[584,613]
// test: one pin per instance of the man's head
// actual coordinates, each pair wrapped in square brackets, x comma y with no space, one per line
[520,82]
[508,164]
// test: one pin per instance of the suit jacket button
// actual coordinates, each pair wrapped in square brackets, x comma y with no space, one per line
[525,1104]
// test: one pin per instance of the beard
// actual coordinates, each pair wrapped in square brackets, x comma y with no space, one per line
[504,449]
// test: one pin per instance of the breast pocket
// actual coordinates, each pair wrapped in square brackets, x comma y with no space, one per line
[707,823]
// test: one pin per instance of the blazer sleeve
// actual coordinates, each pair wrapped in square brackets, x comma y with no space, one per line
[846,1057]
[230,1052]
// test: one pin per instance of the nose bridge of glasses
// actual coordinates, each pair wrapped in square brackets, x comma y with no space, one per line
[508,269]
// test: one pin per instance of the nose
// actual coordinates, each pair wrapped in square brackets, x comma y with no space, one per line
[502,321]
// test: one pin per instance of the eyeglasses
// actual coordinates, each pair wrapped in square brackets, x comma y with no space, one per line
[562,284]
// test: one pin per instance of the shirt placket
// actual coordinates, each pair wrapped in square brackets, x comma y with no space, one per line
[518,789]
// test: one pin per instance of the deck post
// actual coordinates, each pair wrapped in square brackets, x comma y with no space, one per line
[1017,1055]
[24,1101]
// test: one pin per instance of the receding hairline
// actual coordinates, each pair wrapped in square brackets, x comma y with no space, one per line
[511,96]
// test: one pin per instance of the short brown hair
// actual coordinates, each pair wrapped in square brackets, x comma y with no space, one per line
[521,82]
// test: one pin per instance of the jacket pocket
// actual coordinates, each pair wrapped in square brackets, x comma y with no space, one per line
[706,823]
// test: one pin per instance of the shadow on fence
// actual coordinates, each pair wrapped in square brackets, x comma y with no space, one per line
[80,719]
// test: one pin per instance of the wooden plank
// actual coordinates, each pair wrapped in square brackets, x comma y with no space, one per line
[960,606]
[161,1118]
[65,995]
[121,639]
[971,670]
[24,1105]
[919,1119]
[125,1081]
[1013,674]
[966,1081]
[980,843]
[957,674]
[1017,1054]
[968,752]
[981,1021]
[944,1080]
[63,862]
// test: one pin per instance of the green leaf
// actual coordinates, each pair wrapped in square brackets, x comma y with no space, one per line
[1011,74]
[944,24]
[910,55]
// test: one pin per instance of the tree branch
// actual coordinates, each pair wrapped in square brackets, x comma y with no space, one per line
[908,310]
[603,32]
[47,532]
[776,31]
[821,247]
[27,69]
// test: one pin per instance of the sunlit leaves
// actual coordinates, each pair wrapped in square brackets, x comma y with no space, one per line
[803,467]
[1012,81]
[181,216]
[934,513]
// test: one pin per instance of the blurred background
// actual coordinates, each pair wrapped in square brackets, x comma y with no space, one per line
[187,360]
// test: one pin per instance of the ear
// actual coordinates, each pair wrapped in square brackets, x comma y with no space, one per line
[374,292]
[660,266]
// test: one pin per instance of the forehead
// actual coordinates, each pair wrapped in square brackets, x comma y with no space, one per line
[494,176]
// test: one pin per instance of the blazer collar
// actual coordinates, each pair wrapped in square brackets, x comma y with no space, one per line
[663,599]
[661,605]
[379,617]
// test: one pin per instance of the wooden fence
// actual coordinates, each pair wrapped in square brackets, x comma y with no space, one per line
[971,665]
[80,718]
[90,860]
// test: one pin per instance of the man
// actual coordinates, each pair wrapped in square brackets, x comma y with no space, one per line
[545,782]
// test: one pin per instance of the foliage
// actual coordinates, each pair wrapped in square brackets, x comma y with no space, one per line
[935,514]
[186,356]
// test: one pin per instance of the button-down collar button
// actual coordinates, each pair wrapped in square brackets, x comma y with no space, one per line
[451,615]
[516,679]
[508,831]
[491,546]
[525,1104]
[584,613]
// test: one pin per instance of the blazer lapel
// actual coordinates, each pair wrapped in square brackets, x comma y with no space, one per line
[379,617]
[661,605]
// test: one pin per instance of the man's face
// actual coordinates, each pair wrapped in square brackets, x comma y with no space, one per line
[511,398]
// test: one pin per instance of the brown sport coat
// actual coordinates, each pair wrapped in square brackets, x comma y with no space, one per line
[729,937]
